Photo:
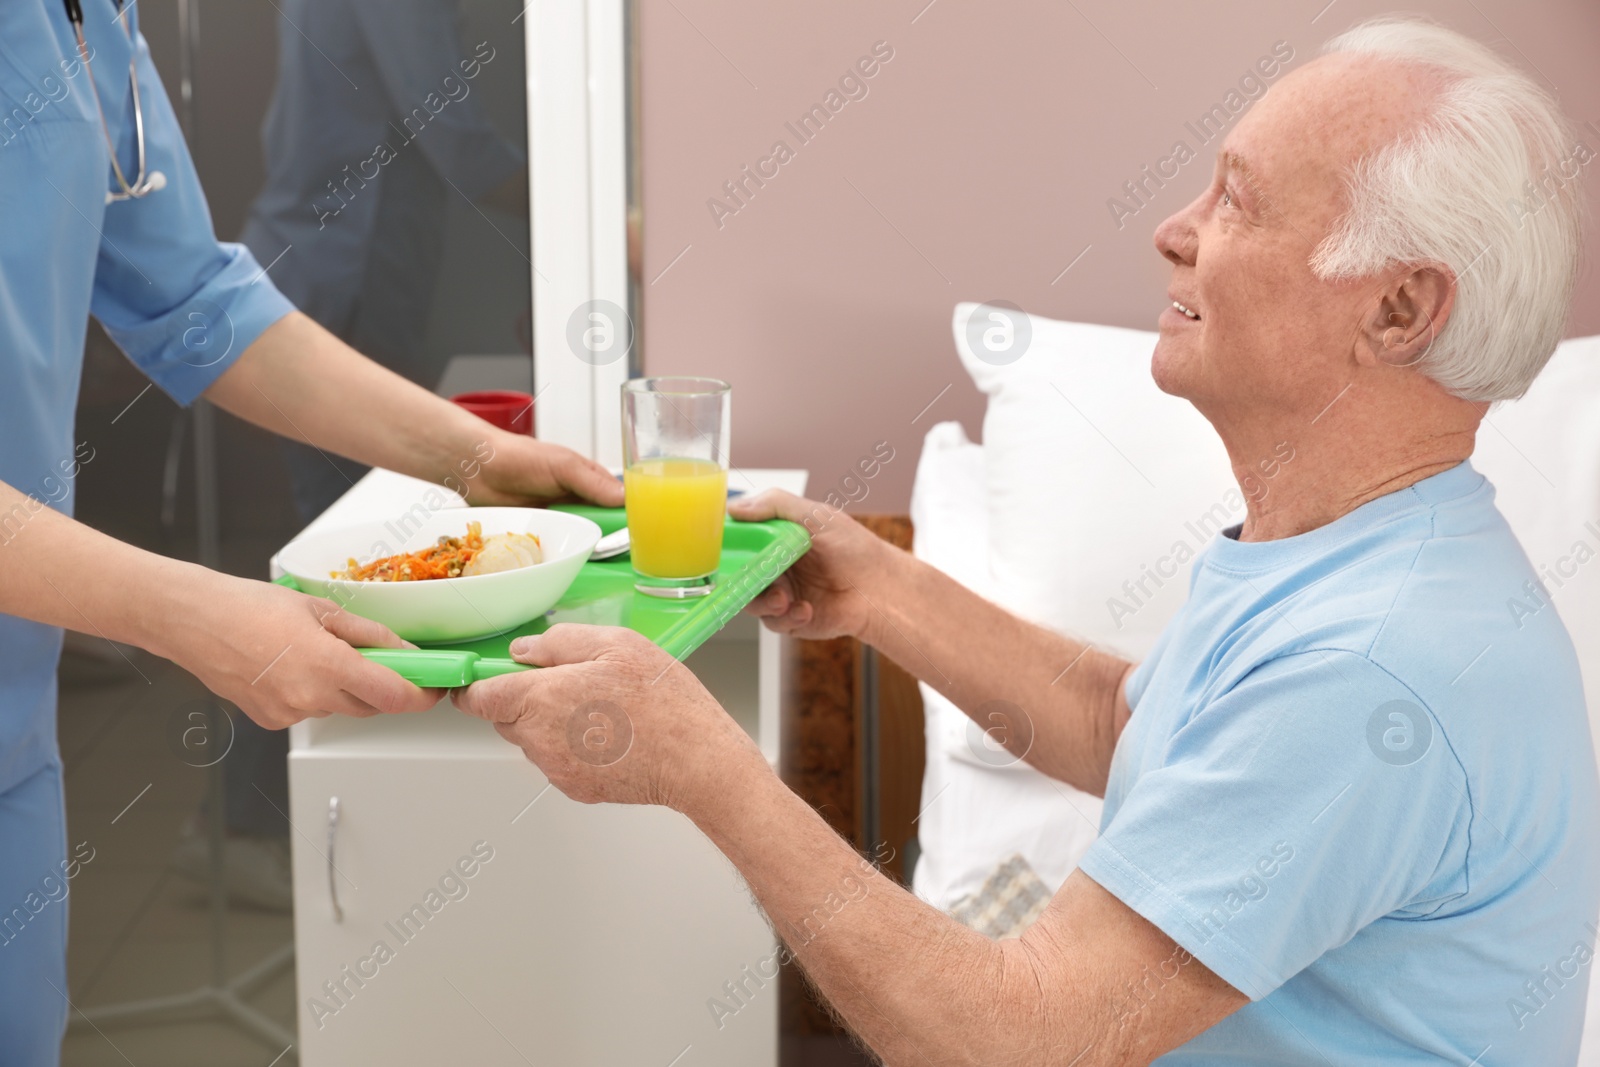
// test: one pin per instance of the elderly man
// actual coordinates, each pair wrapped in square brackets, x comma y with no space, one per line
[1351,802]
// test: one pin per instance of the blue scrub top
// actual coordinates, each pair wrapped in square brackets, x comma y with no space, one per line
[180,304]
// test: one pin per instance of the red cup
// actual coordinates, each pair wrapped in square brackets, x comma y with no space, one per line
[505,408]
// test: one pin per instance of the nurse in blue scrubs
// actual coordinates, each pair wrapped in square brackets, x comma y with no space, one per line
[101,213]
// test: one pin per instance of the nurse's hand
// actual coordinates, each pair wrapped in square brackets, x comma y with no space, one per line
[829,591]
[524,471]
[283,656]
[609,717]
[297,379]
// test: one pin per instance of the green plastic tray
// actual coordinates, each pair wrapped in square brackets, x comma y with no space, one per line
[603,594]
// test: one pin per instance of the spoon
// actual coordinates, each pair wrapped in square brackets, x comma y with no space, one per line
[611,545]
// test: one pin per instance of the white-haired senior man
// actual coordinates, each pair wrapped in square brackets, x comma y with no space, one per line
[1351,803]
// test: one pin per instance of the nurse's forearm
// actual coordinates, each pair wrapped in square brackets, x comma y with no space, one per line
[301,381]
[279,655]
[60,572]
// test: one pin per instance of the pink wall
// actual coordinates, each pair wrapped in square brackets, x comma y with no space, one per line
[977,167]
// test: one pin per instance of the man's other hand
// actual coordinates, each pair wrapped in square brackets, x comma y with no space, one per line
[832,590]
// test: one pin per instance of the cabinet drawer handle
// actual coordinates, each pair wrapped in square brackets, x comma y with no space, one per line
[333,832]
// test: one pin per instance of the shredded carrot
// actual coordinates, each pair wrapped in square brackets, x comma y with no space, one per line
[445,559]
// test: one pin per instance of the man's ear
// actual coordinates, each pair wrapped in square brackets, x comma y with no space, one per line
[1407,318]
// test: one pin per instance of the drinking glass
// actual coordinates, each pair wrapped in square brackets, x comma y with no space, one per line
[675,454]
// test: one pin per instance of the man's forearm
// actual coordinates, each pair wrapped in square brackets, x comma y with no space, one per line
[301,381]
[914,984]
[1056,701]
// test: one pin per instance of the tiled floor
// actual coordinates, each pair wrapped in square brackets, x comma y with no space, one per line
[139,930]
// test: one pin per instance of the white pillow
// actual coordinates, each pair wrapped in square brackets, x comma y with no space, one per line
[1543,455]
[977,812]
[1091,477]
[1101,488]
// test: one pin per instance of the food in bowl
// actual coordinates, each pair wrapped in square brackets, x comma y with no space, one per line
[450,557]
[451,610]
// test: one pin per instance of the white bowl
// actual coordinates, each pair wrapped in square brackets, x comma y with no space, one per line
[445,609]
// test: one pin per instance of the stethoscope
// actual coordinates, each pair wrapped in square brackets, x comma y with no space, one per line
[144,183]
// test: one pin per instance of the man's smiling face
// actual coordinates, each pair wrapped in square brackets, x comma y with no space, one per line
[1262,328]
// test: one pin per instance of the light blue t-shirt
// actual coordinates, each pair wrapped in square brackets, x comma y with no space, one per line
[1359,785]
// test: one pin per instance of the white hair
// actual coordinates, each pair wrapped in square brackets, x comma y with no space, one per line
[1486,187]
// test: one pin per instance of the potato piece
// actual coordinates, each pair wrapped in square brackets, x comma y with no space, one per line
[505,552]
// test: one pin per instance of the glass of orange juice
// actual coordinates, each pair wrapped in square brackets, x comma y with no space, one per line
[675,451]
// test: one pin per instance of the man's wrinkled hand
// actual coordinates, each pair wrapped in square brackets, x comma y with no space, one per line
[824,594]
[611,718]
